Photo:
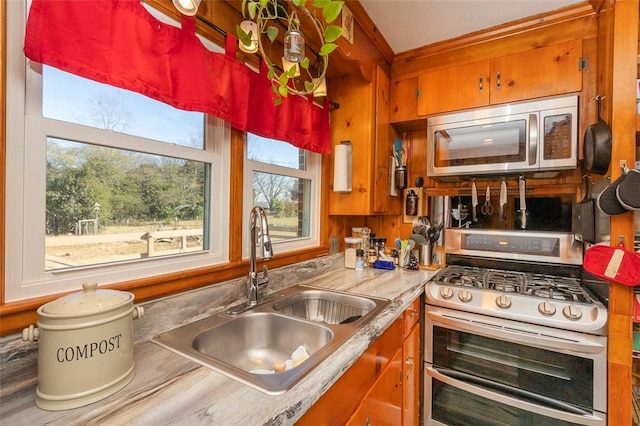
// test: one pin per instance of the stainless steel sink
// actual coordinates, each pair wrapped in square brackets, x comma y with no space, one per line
[325,306]
[251,346]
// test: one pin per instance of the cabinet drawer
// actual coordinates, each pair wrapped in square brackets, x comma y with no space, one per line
[411,316]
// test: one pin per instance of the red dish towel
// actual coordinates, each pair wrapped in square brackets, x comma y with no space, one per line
[613,264]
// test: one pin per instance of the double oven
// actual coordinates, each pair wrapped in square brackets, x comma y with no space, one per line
[512,337]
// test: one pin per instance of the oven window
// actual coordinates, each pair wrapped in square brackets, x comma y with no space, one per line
[456,407]
[534,371]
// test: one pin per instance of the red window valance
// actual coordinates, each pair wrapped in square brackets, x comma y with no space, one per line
[119,43]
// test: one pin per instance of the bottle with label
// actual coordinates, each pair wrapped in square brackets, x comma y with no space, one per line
[360,262]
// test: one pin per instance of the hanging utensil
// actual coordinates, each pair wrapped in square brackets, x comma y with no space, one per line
[474,201]
[503,198]
[523,203]
[487,208]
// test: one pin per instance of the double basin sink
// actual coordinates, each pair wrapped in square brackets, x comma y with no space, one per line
[253,347]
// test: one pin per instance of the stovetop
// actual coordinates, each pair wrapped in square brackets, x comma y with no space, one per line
[525,283]
[543,294]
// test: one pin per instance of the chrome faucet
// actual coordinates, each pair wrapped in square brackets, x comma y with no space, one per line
[267,253]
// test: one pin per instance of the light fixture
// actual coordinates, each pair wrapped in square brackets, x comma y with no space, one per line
[321,87]
[286,65]
[250,28]
[187,7]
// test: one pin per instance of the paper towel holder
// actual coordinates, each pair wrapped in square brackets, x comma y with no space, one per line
[342,167]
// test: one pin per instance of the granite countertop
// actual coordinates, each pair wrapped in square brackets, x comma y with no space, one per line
[171,389]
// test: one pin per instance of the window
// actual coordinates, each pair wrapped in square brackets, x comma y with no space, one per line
[285,181]
[104,184]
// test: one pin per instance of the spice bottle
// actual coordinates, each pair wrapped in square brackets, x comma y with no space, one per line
[360,262]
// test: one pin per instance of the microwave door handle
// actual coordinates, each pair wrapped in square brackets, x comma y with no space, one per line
[533,139]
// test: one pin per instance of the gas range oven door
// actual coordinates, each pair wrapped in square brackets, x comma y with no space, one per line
[482,370]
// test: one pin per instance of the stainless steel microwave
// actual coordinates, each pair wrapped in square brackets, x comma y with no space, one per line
[532,136]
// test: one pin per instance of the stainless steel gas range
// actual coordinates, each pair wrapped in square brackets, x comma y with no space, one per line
[512,336]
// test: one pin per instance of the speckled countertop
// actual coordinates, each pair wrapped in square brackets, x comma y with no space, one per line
[170,389]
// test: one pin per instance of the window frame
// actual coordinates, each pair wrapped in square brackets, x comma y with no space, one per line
[26,240]
[313,173]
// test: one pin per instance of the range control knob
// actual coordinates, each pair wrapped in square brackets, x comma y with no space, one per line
[465,296]
[572,312]
[503,301]
[446,293]
[547,308]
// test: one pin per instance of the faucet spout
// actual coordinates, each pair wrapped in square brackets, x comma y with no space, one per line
[267,252]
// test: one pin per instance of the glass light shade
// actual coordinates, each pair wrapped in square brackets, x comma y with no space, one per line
[294,45]
[249,27]
[286,65]
[321,90]
[187,7]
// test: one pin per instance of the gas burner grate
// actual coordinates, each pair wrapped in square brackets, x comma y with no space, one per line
[558,288]
[529,284]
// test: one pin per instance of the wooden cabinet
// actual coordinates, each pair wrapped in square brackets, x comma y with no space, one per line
[545,71]
[394,399]
[363,120]
[455,88]
[342,400]
[404,100]
[383,386]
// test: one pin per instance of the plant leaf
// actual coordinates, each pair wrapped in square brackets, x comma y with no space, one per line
[305,63]
[331,33]
[283,79]
[320,4]
[332,10]
[291,72]
[271,73]
[242,36]
[298,3]
[251,7]
[327,48]
[272,33]
[283,91]
[278,101]
[308,86]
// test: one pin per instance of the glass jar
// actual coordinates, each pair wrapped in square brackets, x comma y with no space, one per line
[366,234]
[294,46]
[351,245]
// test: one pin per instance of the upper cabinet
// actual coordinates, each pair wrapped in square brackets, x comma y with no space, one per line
[450,89]
[545,71]
[363,120]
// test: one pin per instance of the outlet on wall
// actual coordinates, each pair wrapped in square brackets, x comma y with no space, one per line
[334,243]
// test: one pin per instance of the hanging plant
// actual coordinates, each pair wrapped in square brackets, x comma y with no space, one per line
[270,16]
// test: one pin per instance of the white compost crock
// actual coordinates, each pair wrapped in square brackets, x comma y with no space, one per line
[85,349]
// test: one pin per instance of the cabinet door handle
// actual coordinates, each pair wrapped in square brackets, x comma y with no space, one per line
[480,85]
[498,81]
[409,364]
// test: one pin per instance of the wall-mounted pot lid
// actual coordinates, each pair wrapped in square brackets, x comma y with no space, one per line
[89,301]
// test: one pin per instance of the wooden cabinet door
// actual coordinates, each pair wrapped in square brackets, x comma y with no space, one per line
[383,404]
[546,71]
[363,120]
[382,202]
[460,87]
[404,100]
[411,380]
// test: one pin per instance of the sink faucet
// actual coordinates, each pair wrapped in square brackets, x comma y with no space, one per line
[267,253]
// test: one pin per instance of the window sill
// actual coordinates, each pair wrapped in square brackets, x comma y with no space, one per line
[15,316]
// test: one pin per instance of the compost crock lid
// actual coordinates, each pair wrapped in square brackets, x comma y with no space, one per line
[90,300]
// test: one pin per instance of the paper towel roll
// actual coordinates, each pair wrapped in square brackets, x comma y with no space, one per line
[342,168]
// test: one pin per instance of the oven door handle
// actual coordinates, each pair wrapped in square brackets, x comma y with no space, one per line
[488,329]
[562,412]
[518,393]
